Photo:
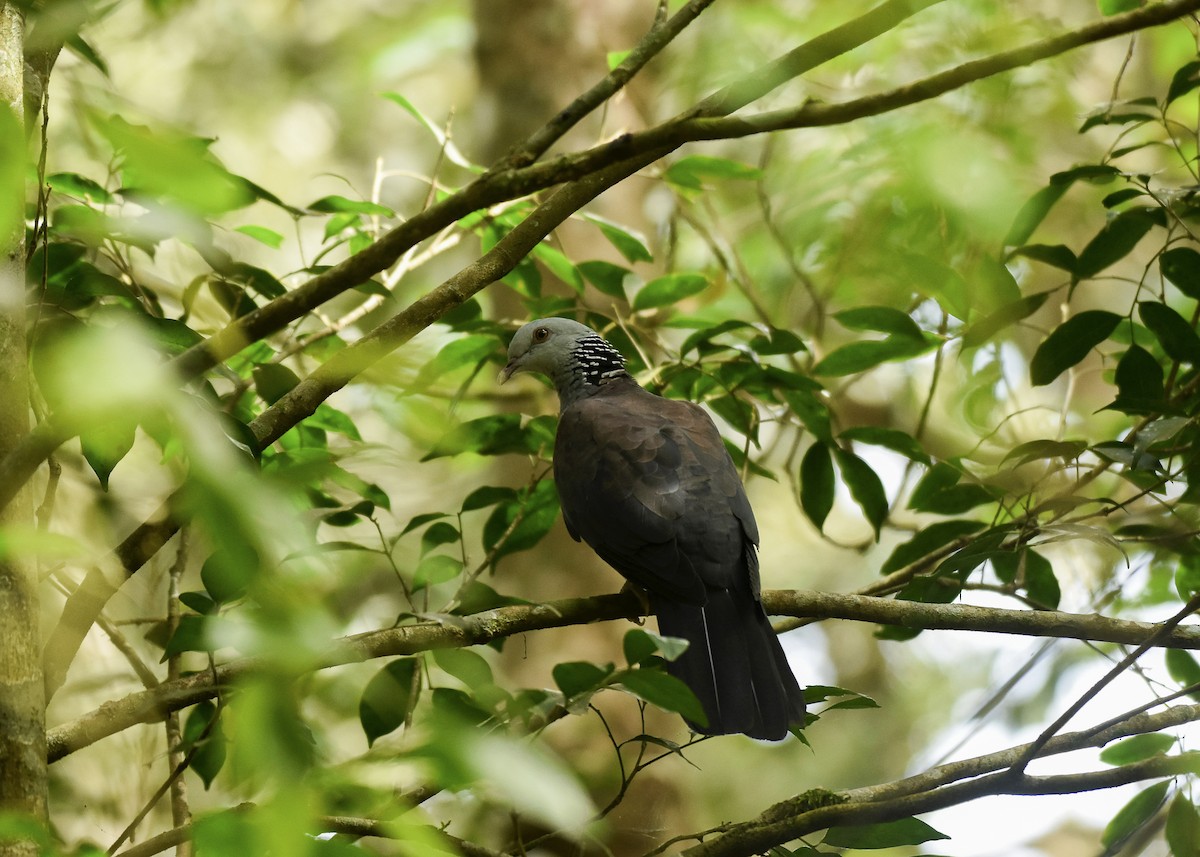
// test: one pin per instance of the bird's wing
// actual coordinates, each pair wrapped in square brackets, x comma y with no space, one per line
[647,482]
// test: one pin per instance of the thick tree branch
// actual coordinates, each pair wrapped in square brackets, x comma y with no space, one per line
[458,631]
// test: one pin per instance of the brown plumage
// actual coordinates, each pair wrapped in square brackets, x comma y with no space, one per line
[648,484]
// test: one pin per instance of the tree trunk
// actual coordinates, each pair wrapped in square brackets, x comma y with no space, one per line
[22,700]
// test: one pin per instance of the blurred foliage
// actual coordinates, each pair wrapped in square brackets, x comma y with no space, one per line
[955,344]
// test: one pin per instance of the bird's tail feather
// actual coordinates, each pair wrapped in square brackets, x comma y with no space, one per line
[733,664]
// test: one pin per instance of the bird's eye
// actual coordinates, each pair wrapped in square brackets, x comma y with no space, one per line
[541,334]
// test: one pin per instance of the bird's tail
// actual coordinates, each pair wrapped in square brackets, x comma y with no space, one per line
[733,664]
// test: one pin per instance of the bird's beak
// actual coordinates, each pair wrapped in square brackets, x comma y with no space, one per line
[509,370]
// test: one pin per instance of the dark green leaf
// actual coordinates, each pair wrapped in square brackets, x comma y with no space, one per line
[812,412]
[342,205]
[204,742]
[665,691]
[1139,380]
[608,278]
[860,356]
[538,510]
[576,677]
[273,381]
[421,520]
[1116,240]
[817,483]
[1177,337]
[931,538]
[880,318]
[892,439]
[80,47]
[1035,572]
[628,243]
[691,172]
[1186,78]
[988,326]
[1183,827]
[198,601]
[1183,669]
[1116,7]
[491,435]
[1137,748]
[388,698]
[1181,265]
[1131,817]
[887,834]
[1118,197]
[559,265]
[1070,343]
[488,495]
[865,487]
[777,342]
[191,635]
[1055,255]
[329,418]
[227,574]
[939,491]
[669,289]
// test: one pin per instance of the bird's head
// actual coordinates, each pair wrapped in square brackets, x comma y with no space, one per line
[545,346]
[570,354]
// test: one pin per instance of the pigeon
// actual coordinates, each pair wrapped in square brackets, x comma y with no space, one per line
[647,483]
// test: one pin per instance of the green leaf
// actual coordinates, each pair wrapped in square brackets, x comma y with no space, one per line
[1035,572]
[817,483]
[1181,265]
[469,667]
[640,644]
[388,699]
[1131,817]
[988,326]
[1034,211]
[865,487]
[861,356]
[1116,7]
[488,495]
[273,381]
[629,244]
[1186,78]
[880,318]
[336,204]
[174,167]
[1116,240]
[435,570]
[692,171]
[668,289]
[812,412]
[1118,197]
[893,439]
[262,235]
[444,142]
[929,539]
[608,278]
[559,265]
[496,434]
[1040,450]
[1183,827]
[665,691]
[456,354]
[1182,667]
[80,187]
[105,445]
[1177,337]
[777,341]
[1137,749]
[227,573]
[887,834]
[1070,343]
[439,533]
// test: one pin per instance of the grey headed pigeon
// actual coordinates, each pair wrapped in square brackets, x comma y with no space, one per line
[648,484]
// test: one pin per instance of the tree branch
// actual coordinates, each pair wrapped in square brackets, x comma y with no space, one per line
[458,631]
